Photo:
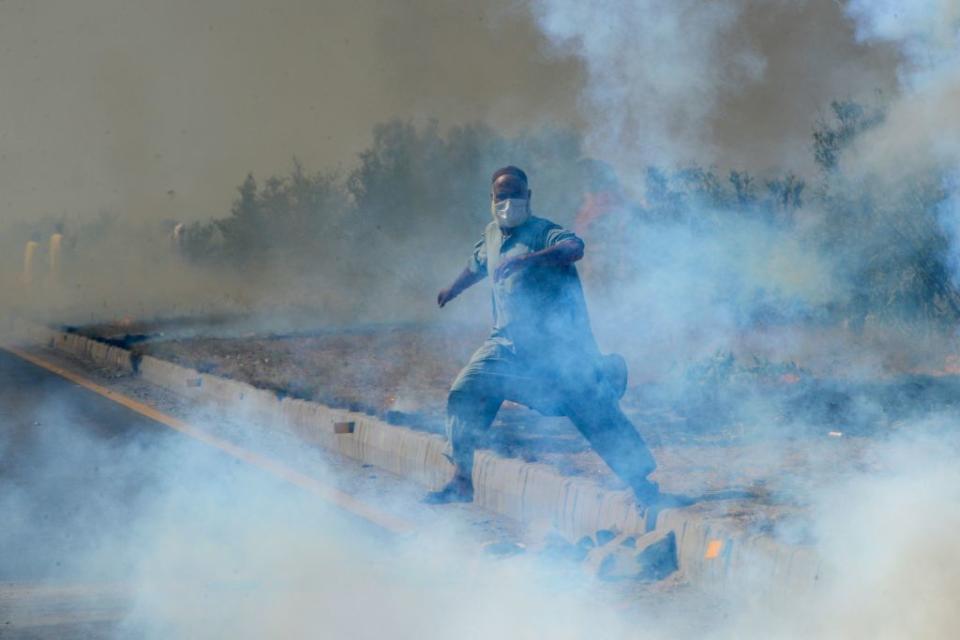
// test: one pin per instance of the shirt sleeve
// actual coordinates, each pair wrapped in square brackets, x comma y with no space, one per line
[558,234]
[477,263]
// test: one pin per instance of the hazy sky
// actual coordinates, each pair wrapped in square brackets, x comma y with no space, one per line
[160,108]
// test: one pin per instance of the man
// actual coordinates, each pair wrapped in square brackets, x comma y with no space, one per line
[541,351]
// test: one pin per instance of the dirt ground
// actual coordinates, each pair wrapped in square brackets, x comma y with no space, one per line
[401,373]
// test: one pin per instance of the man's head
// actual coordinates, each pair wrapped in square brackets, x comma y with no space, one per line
[510,197]
[509,182]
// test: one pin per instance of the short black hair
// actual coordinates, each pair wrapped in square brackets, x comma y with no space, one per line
[509,170]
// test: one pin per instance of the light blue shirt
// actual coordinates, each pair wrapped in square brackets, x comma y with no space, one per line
[540,310]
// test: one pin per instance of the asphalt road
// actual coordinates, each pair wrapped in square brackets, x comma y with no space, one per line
[51,490]
[115,525]
[84,481]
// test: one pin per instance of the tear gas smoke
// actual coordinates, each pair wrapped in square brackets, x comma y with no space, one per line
[822,265]
[214,548]
[735,83]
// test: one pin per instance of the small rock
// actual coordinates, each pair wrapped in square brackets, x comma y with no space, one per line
[651,557]
[555,547]
[603,536]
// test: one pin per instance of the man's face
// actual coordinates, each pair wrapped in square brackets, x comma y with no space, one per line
[506,187]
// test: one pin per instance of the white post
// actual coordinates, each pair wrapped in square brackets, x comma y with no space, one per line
[176,238]
[29,253]
[56,244]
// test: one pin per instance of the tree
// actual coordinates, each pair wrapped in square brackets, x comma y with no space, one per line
[850,119]
[243,231]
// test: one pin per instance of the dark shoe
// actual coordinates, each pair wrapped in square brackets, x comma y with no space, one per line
[457,490]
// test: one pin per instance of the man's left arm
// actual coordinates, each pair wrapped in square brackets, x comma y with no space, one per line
[563,248]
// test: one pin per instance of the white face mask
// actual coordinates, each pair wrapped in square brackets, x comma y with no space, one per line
[511,212]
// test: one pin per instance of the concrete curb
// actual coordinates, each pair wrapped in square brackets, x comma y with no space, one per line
[711,542]
[98,352]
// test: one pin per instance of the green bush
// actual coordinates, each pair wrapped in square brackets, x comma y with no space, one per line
[418,197]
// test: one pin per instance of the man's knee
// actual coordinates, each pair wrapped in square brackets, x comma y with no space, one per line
[458,399]
[469,380]
[467,403]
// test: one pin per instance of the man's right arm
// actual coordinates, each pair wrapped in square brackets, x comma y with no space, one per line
[464,281]
[475,272]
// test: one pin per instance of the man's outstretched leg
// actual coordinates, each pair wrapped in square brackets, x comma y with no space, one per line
[469,415]
[595,411]
[473,402]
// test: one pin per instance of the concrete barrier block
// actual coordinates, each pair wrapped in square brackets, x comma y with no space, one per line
[581,508]
[533,492]
[220,393]
[293,413]
[412,448]
[97,351]
[229,397]
[80,346]
[517,489]
[262,405]
[716,547]
[367,442]
[68,342]
[307,420]
[650,557]
[376,444]
[425,461]
[498,483]
[785,567]
[542,491]
[412,454]
[314,420]
[701,548]
[119,359]
[618,510]
[168,375]
[73,344]
[58,338]
[125,360]
[351,445]
[439,468]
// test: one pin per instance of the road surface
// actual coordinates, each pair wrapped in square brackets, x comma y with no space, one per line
[84,480]
[117,524]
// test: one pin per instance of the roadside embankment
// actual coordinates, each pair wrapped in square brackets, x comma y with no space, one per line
[719,536]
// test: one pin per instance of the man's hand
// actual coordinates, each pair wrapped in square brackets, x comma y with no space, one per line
[464,281]
[509,266]
[560,254]
[445,296]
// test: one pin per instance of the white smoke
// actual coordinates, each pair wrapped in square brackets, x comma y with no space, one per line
[653,72]
[921,131]
[921,134]
[926,30]
[657,74]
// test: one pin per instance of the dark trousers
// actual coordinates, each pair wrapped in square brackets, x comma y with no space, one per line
[496,373]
